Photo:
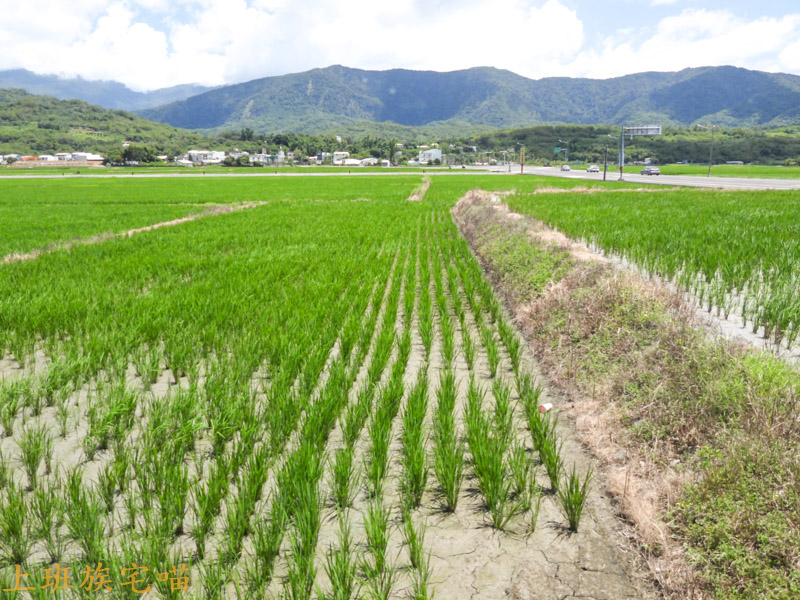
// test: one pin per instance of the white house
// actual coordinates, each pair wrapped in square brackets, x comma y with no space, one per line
[262,158]
[206,157]
[47,158]
[369,162]
[351,162]
[87,157]
[429,156]
[339,157]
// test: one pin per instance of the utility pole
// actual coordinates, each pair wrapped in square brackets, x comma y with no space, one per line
[621,153]
[566,151]
[605,164]
[522,161]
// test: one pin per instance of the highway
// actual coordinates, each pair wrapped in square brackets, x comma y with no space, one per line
[633,176]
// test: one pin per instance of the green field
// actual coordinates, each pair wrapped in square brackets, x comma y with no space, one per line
[734,251]
[227,393]
[282,397]
[747,171]
[146,170]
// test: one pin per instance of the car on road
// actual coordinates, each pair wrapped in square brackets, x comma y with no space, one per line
[565,168]
[593,169]
[651,171]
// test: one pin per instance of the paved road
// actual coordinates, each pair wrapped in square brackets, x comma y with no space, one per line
[633,176]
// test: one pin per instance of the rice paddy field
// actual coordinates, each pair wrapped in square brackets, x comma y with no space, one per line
[736,252]
[318,395]
[267,402]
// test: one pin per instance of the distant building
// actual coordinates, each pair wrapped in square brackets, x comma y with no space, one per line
[205,157]
[369,162]
[87,157]
[429,156]
[339,157]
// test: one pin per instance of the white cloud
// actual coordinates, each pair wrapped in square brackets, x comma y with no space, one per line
[696,38]
[154,43]
[233,40]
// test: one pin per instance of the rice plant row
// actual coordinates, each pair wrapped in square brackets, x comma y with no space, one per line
[178,393]
[736,252]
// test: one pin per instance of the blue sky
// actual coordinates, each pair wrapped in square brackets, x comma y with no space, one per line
[149,44]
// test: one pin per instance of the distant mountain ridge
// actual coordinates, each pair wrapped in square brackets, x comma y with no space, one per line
[108,94]
[46,125]
[343,99]
[337,96]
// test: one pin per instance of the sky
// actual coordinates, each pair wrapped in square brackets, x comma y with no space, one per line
[150,44]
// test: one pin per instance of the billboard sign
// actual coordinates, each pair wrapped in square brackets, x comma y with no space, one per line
[645,130]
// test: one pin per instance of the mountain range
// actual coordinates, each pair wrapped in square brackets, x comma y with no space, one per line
[322,99]
[343,99]
[108,94]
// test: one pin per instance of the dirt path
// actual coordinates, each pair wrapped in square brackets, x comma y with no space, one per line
[103,237]
[419,192]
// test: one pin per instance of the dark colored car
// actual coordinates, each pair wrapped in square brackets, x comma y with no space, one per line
[651,171]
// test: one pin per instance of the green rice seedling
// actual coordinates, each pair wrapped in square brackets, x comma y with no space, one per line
[520,467]
[107,486]
[48,509]
[214,577]
[5,472]
[511,342]
[550,453]
[494,482]
[534,500]
[267,537]
[9,406]
[376,528]
[468,346]
[344,478]
[380,587]
[448,339]
[426,332]
[62,416]
[492,352]
[529,391]
[340,565]
[86,525]
[448,449]
[413,439]
[357,414]
[299,581]
[236,525]
[15,541]
[173,497]
[132,507]
[503,411]
[572,496]
[414,539]
[35,447]
[377,462]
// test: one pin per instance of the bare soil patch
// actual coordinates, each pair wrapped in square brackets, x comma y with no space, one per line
[103,237]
